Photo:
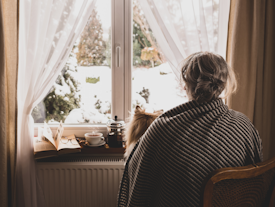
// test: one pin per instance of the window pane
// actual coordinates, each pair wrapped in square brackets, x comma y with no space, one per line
[82,92]
[154,85]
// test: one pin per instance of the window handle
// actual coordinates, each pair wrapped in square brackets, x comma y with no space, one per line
[117,56]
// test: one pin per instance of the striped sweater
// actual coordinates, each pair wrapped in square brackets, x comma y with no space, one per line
[180,148]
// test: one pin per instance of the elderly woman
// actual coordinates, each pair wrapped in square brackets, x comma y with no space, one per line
[183,145]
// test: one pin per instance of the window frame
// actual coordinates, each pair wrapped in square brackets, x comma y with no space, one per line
[121,24]
[122,74]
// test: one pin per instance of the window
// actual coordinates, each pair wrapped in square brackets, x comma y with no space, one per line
[115,64]
[83,92]
[154,85]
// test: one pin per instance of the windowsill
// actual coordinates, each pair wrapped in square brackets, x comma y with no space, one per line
[87,153]
[77,130]
[101,150]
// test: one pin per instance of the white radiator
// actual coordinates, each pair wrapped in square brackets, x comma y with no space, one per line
[93,182]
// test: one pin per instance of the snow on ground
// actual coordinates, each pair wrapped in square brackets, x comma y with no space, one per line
[101,89]
[163,88]
[92,93]
[164,92]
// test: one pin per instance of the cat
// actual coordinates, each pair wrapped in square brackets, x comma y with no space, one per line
[137,126]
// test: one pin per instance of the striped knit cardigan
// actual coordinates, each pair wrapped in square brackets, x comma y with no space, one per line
[181,147]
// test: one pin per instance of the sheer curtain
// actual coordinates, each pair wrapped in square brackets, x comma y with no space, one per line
[182,27]
[47,32]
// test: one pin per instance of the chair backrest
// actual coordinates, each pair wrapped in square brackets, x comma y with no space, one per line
[252,185]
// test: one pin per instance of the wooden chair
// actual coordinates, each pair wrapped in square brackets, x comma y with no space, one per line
[252,185]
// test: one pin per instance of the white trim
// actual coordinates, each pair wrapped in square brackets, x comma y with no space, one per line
[118,83]
[128,58]
[224,8]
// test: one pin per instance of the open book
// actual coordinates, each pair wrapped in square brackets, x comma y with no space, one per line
[45,145]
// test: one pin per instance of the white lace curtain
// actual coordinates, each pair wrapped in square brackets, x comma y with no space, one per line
[47,32]
[182,27]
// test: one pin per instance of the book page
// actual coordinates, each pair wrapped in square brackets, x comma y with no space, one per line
[68,142]
[40,133]
[58,135]
[47,133]
[42,145]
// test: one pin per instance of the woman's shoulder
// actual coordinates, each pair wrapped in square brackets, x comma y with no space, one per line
[239,116]
[244,123]
[241,122]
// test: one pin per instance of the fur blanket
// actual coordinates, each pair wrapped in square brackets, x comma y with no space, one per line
[180,148]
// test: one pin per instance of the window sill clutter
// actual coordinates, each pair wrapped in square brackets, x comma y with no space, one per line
[85,151]
[112,143]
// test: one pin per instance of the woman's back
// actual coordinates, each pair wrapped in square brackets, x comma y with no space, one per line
[181,148]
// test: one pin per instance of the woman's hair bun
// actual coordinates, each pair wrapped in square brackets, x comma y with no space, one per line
[206,75]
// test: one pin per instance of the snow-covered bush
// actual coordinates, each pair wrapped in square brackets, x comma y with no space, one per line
[63,97]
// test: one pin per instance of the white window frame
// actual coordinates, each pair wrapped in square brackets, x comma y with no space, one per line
[121,73]
[121,58]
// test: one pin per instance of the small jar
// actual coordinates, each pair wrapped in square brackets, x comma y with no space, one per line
[115,133]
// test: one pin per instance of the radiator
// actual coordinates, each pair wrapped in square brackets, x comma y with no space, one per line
[90,182]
